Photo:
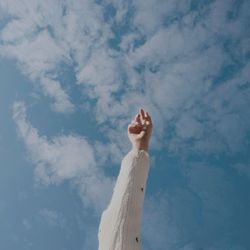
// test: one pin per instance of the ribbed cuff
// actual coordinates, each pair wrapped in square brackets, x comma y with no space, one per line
[138,152]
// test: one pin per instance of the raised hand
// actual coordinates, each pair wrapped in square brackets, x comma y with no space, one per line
[140,130]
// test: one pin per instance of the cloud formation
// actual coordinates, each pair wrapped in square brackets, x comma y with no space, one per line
[63,158]
[40,36]
[175,58]
[187,62]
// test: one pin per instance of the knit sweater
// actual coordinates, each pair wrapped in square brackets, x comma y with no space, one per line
[119,227]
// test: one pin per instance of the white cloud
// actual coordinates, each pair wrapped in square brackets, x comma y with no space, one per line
[180,59]
[188,127]
[180,63]
[42,35]
[150,15]
[16,30]
[37,56]
[173,71]
[64,158]
[218,21]
[100,77]
[53,89]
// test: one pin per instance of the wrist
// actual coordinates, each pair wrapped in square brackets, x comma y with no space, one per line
[140,146]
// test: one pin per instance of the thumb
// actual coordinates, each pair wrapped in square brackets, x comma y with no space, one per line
[141,134]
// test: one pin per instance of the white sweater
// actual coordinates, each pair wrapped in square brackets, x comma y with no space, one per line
[119,227]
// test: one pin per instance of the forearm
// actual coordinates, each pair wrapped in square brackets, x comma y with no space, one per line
[139,164]
[140,146]
[124,211]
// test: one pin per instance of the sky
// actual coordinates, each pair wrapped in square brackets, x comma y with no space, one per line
[73,73]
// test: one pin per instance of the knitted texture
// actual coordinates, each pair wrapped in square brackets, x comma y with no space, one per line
[119,227]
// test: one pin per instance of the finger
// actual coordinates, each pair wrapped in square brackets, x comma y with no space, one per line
[131,129]
[134,128]
[133,124]
[141,134]
[147,117]
[142,113]
[138,119]
[134,120]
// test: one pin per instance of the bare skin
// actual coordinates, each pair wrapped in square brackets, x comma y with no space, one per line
[140,130]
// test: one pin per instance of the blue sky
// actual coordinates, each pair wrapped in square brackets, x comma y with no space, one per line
[73,74]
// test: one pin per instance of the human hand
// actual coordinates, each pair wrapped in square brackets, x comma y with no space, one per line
[140,130]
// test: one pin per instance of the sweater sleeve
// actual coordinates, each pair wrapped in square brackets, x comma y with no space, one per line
[119,227]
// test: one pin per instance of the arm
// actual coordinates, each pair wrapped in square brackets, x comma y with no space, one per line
[120,222]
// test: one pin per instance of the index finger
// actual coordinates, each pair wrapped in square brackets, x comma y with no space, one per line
[148,117]
[142,114]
